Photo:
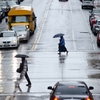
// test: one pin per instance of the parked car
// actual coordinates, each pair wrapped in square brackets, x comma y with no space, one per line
[5,7]
[87,4]
[94,12]
[70,90]
[22,32]
[97,3]
[96,27]
[98,39]
[93,20]
[9,39]
[2,14]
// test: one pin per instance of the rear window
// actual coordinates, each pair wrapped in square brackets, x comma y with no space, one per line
[98,22]
[65,89]
[20,19]
[19,28]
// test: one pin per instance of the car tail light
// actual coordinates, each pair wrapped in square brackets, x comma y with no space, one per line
[93,22]
[88,98]
[56,98]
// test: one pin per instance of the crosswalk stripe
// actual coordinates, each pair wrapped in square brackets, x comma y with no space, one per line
[7,98]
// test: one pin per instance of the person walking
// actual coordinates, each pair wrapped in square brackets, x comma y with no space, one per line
[61,46]
[23,71]
[24,63]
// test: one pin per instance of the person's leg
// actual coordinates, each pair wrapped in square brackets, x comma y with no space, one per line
[65,50]
[28,79]
[59,49]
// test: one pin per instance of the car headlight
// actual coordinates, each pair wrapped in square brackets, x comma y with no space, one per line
[14,41]
[23,34]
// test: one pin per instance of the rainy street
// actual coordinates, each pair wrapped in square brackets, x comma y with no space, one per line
[46,67]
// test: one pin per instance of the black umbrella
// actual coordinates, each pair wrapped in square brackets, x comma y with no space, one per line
[58,35]
[21,56]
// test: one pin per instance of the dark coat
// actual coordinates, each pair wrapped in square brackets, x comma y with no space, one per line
[61,45]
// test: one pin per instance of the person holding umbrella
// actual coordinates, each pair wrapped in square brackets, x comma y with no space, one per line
[24,63]
[61,44]
[23,68]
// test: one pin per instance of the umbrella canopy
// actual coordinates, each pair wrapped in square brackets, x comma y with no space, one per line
[58,35]
[21,56]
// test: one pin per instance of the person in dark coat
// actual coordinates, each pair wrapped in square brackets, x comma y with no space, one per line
[61,46]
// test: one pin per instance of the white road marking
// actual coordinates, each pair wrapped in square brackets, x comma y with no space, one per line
[8,97]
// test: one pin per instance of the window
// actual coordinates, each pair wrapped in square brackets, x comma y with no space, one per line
[65,89]
[20,19]
[8,34]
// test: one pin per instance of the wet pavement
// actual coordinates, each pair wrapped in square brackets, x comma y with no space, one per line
[46,67]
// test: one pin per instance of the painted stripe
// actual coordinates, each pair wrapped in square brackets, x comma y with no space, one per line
[7,98]
[42,25]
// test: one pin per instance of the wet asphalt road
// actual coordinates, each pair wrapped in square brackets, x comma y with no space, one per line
[45,66]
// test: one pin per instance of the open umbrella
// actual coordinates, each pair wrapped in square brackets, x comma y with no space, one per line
[58,35]
[21,56]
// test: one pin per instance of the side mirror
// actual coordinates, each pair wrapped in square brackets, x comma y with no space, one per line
[91,88]
[50,88]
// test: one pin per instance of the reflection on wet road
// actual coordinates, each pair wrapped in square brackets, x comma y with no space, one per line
[34,97]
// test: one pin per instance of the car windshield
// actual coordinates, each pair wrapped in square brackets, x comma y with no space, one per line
[98,22]
[20,19]
[19,28]
[72,89]
[96,11]
[7,34]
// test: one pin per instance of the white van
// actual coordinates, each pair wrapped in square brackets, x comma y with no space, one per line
[87,4]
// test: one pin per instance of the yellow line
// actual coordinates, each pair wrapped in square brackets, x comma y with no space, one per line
[42,25]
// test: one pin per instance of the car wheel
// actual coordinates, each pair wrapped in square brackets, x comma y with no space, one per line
[94,33]
[27,39]
[82,7]
[98,44]
[35,26]
[0,20]
[17,44]
[31,33]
